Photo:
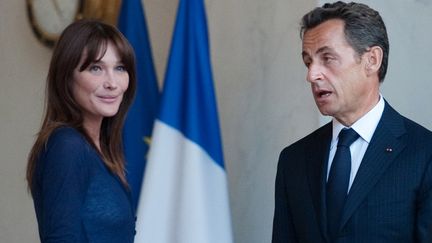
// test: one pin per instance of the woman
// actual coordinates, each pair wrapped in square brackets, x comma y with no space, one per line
[76,166]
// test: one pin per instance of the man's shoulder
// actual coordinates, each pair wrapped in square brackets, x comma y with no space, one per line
[418,135]
[416,128]
[320,135]
[411,128]
[414,135]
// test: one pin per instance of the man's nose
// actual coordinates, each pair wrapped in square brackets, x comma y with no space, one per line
[314,73]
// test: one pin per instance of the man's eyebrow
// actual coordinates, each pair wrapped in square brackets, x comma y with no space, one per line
[324,49]
[319,51]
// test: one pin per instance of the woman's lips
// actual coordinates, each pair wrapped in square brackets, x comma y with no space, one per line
[108,98]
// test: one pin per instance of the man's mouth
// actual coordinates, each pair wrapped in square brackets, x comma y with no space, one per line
[324,94]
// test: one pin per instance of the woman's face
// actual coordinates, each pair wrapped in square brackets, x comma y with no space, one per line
[99,88]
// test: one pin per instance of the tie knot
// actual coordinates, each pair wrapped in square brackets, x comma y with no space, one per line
[347,137]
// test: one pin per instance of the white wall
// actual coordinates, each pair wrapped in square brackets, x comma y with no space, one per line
[264,102]
[408,85]
[22,69]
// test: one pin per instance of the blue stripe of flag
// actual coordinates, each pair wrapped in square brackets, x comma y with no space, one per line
[188,87]
[140,118]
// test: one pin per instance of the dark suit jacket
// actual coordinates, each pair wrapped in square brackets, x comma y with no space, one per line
[390,200]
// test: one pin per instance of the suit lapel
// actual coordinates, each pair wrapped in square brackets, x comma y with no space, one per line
[316,160]
[384,147]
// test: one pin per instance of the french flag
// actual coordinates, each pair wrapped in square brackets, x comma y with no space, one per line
[184,196]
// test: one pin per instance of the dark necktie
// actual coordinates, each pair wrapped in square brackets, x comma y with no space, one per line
[338,180]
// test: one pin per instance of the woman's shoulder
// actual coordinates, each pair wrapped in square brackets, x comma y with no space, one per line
[65,155]
[66,135]
[67,140]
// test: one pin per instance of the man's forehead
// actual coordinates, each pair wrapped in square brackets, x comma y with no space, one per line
[324,37]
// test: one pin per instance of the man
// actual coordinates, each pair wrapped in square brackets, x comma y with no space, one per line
[376,187]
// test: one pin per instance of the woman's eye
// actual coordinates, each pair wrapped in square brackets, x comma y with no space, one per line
[121,68]
[95,68]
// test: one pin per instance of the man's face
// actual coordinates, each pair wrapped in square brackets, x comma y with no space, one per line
[339,80]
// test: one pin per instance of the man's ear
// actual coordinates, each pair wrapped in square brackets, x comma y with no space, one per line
[373,59]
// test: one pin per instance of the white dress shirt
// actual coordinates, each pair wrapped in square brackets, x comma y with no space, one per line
[365,127]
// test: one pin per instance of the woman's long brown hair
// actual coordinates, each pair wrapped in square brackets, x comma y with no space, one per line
[60,107]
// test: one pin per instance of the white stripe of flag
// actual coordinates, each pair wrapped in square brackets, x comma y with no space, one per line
[184,197]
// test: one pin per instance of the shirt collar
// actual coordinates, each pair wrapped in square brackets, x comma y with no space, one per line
[365,126]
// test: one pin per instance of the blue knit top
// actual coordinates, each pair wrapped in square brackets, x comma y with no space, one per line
[76,198]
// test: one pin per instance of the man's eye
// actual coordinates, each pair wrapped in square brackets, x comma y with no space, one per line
[328,59]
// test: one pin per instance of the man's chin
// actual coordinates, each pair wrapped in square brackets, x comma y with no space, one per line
[325,111]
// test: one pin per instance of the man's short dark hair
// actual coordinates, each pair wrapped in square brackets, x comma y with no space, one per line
[364,27]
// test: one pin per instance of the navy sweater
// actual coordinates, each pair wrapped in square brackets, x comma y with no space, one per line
[76,198]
